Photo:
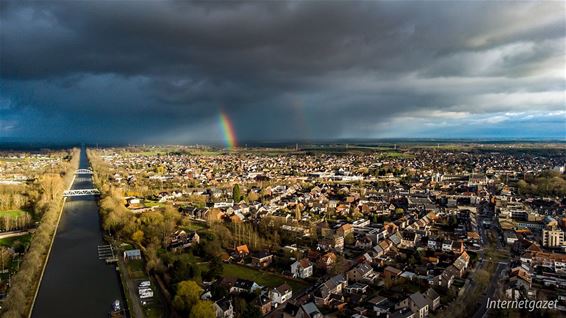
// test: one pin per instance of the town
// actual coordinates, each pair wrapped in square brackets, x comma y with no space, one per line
[336,231]
[282,159]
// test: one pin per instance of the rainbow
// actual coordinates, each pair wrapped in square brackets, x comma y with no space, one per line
[228,130]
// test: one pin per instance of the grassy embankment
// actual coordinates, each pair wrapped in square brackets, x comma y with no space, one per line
[25,282]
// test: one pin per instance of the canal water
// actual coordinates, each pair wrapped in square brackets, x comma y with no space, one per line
[76,283]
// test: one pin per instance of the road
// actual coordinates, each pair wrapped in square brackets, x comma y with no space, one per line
[490,290]
[132,288]
[76,283]
[13,234]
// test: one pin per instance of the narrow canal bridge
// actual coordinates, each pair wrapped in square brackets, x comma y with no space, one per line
[83,171]
[81,192]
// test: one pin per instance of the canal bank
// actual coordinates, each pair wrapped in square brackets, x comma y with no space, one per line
[75,282]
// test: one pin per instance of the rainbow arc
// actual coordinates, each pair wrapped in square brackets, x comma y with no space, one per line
[228,131]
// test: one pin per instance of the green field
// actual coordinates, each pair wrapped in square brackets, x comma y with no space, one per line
[194,227]
[11,159]
[262,278]
[135,269]
[150,204]
[396,154]
[12,213]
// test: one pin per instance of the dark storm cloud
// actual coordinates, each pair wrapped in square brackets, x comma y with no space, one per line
[145,70]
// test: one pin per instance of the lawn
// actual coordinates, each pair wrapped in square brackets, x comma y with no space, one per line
[194,227]
[135,269]
[150,204]
[12,213]
[147,153]
[153,310]
[262,278]
[394,154]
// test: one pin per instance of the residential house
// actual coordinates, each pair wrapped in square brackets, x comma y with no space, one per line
[302,268]
[244,286]
[311,311]
[224,308]
[376,235]
[363,243]
[333,286]
[345,230]
[380,304]
[391,275]
[262,259]
[242,250]
[447,246]
[356,288]
[334,242]
[447,277]
[395,238]
[408,239]
[362,273]
[264,303]
[434,243]
[327,261]
[520,278]
[280,294]
[292,310]
[433,299]
[403,313]
[457,247]
[383,247]
[418,304]
[180,240]
[308,310]
[461,263]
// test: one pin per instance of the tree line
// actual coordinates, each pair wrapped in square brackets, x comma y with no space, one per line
[48,204]
[547,183]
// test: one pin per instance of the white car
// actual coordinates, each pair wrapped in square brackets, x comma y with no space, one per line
[144,290]
[145,283]
[146,295]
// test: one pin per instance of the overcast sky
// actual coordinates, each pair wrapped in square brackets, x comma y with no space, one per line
[162,71]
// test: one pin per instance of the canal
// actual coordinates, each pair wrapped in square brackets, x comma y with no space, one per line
[76,283]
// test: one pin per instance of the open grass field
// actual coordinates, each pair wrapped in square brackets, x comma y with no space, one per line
[394,154]
[150,204]
[12,213]
[195,227]
[135,269]
[262,278]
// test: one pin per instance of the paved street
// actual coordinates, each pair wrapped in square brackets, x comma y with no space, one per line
[482,310]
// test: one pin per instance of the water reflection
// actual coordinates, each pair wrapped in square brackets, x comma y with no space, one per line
[76,283]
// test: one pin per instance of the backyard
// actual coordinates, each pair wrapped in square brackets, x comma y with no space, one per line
[261,277]
[12,213]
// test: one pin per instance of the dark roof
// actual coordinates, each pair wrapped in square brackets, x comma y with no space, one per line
[419,300]
[262,254]
[310,309]
[291,309]
[283,288]
[407,235]
[244,283]
[402,313]
[224,303]
[432,294]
